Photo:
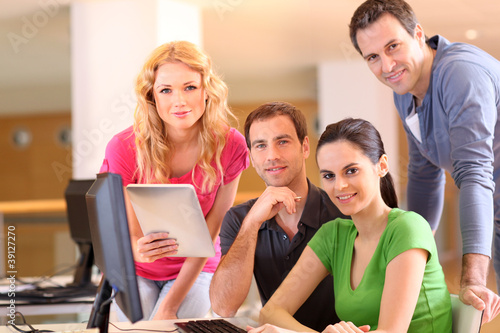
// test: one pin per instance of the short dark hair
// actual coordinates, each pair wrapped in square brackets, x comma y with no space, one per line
[362,134]
[273,109]
[371,10]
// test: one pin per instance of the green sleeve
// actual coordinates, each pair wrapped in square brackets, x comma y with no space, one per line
[408,231]
[321,244]
[329,242]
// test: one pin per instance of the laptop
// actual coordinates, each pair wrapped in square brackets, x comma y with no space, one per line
[173,208]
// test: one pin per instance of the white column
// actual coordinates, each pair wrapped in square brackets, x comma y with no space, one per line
[349,89]
[110,41]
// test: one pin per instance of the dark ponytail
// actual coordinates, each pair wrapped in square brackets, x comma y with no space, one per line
[388,191]
[365,136]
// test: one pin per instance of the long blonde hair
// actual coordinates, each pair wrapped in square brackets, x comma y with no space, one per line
[151,137]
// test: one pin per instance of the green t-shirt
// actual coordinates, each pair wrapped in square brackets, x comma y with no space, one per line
[334,245]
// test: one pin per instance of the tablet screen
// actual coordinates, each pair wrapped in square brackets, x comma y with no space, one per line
[173,208]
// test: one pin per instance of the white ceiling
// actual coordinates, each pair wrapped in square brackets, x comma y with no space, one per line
[248,40]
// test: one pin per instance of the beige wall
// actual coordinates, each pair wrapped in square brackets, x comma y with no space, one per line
[39,171]
[42,169]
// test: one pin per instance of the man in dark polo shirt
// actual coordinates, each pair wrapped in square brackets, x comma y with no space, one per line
[265,236]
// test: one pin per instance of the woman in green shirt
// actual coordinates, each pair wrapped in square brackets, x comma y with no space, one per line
[387,276]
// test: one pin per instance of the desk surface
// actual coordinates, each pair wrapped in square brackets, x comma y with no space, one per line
[164,325]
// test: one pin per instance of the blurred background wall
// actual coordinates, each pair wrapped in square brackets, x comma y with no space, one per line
[266,50]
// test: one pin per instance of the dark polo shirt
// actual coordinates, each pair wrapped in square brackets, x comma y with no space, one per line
[275,255]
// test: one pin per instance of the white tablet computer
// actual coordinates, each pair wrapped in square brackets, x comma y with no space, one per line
[173,208]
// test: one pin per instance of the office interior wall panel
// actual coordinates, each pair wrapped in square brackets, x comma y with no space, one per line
[36,156]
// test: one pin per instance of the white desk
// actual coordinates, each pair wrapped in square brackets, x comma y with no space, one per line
[53,327]
[81,311]
[138,327]
[84,306]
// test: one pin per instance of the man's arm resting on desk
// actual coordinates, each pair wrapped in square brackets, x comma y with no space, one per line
[473,290]
[233,277]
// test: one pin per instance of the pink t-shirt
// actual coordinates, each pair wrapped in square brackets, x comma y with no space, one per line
[120,158]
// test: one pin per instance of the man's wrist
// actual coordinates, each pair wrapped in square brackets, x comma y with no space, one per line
[251,222]
[474,269]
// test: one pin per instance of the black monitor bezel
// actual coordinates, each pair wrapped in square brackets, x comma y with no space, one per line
[112,251]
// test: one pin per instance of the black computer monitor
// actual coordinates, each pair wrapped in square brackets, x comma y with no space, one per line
[78,221]
[112,251]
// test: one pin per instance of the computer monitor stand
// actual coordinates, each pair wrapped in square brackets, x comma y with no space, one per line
[83,272]
[99,318]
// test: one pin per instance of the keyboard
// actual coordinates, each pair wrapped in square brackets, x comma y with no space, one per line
[209,326]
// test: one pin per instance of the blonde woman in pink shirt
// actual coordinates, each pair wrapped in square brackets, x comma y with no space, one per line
[181,134]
